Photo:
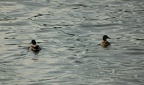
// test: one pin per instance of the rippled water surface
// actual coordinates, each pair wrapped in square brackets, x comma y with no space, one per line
[69,32]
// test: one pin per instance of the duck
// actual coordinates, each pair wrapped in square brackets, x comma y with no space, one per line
[105,43]
[34,46]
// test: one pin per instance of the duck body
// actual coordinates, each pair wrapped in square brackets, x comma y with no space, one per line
[34,46]
[105,43]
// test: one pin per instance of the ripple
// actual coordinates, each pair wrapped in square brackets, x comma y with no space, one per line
[69,32]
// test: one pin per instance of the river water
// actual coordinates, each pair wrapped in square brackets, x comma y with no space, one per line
[69,32]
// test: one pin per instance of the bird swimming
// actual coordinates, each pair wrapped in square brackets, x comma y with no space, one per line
[105,43]
[34,46]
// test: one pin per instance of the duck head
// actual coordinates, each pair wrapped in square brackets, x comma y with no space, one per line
[105,37]
[33,42]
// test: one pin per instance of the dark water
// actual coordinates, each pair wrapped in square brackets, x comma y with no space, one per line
[69,32]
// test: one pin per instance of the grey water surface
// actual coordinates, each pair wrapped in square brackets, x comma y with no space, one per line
[69,32]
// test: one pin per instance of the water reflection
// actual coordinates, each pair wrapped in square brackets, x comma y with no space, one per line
[69,32]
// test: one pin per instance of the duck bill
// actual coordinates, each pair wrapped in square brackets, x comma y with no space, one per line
[109,38]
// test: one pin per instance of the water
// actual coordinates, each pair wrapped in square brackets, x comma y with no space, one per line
[69,32]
